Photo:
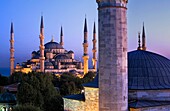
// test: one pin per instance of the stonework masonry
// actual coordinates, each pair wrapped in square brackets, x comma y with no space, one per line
[91,99]
[113,90]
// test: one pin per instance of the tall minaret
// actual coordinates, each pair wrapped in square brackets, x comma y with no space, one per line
[94,50]
[61,37]
[12,59]
[85,46]
[143,39]
[42,58]
[113,77]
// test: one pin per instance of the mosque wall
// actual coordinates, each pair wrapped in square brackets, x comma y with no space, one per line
[91,99]
[159,95]
[155,108]
[73,105]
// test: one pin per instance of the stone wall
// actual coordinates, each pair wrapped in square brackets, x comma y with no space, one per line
[73,105]
[91,99]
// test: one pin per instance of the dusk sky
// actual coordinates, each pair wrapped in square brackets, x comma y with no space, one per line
[25,14]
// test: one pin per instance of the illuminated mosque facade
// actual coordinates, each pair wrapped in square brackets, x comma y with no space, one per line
[52,57]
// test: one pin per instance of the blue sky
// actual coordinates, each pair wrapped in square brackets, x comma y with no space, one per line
[25,14]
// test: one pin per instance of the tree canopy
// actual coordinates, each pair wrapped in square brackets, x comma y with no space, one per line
[37,89]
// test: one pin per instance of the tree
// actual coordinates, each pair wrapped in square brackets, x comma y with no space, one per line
[69,84]
[16,77]
[26,108]
[89,77]
[3,80]
[37,89]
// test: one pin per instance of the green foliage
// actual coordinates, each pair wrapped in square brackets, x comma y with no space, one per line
[89,77]
[69,84]
[26,108]
[16,77]
[37,89]
[55,104]
[3,80]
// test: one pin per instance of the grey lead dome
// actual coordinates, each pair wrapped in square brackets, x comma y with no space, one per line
[148,71]
[53,45]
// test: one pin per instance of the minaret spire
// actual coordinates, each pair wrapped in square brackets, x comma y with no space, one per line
[12,59]
[61,37]
[143,38]
[139,42]
[94,50]
[42,58]
[85,46]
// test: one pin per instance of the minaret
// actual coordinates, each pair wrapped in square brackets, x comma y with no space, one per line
[12,59]
[113,75]
[94,50]
[42,58]
[139,45]
[61,37]
[85,46]
[143,39]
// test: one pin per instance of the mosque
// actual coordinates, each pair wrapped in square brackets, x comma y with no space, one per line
[127,81]
[53,58]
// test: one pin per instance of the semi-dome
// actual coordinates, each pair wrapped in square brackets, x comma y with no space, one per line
[61,57]
[147,70]
[70,52]
[48,64]
[53,45]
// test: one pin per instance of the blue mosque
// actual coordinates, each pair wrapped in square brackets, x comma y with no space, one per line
[54,58]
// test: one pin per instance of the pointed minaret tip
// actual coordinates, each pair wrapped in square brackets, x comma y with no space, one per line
[85,25]
[143,38]
[12,29]
[42,23]
[61,33]
[94,29]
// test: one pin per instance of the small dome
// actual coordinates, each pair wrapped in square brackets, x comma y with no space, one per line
[69,52]
[73,71]
[36,57]
[147,70]
[61,56]
[53,45]
[7,98]
[48,64]
[34,52]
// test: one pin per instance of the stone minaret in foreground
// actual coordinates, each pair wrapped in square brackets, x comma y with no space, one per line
[94,50]
[85,46]
[42,58]
[113,78]
[143,39]
[61,37]
[12,59]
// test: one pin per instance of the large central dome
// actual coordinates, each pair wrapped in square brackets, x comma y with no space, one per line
[53,45]
[147,70]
